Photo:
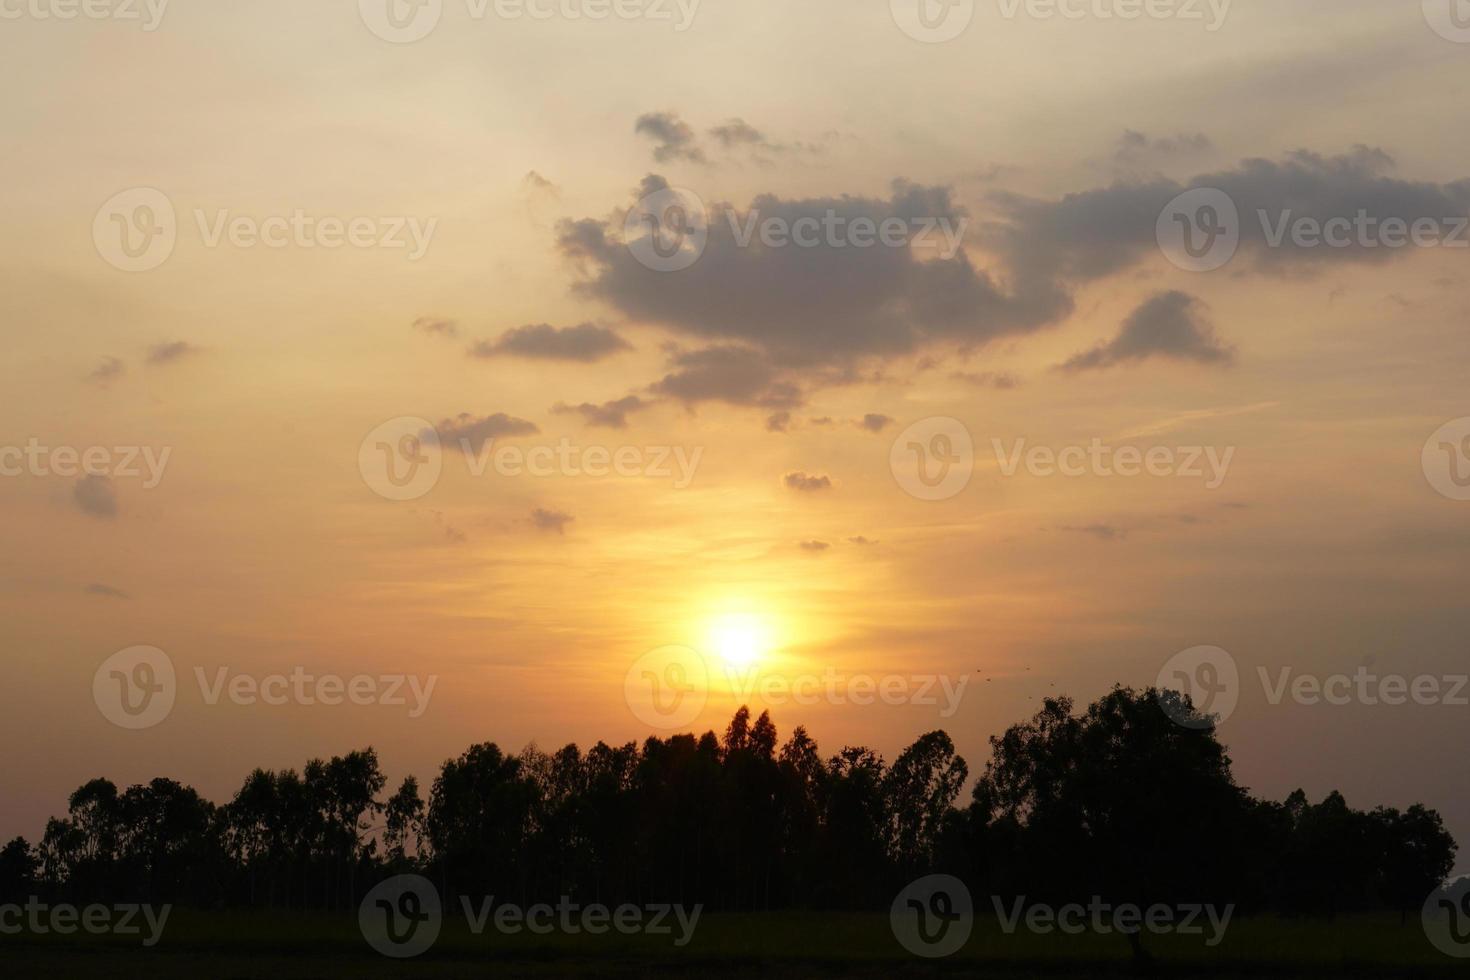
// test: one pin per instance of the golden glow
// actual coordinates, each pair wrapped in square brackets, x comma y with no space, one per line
[740,639]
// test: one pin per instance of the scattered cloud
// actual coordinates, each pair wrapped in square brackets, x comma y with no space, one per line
[872,422]
[861,541]
[465,432]
[172,352]
[1169,325]
[106,591]
[1103,532]
[586,342]
[107,372]
[551,520]
[95,495]
[998,380]
[608,415]
[435,326]
[778,422]
[815,546]
[673,138]
[735,375]
[806,483]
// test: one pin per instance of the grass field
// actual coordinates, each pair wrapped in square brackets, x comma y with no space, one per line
[285,946]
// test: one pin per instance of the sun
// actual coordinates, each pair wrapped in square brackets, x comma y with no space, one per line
[739,639]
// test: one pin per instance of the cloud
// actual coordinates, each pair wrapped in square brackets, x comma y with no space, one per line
[815,546]
[735,375]
[672,136]
[95,495]
[586,342]
[171,352]
[778,422]
[1098,232]
[107,372]
[1169,325]
[464,432]
[551,520]
[435,326]
[861,541]
[873,422]
[608,415]
[106,591]
[1103,532]
[738,133]
[1137,152]
[805,483]
[999,380]
[824,305]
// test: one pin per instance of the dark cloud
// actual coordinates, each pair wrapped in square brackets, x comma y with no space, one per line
[95,495]
[673,138]
[1099,232]
[873,422]
[107,372]
[465,431]
[737,133]
[435,326]
[106,591]
[551,520]
[608,415]
[735,375]
[586,342]
[169,353]
[824,305]
[815,546]
[1170,325]
[806,483]
[778,422]
[1137,152]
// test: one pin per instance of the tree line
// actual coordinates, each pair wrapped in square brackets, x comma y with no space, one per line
[1116,801]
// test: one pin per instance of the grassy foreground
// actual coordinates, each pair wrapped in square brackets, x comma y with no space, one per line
[286,946]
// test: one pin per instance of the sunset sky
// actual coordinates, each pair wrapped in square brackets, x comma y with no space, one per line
[787,373]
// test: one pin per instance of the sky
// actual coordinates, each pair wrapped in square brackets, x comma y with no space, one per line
[828,449]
